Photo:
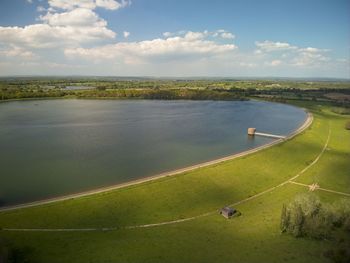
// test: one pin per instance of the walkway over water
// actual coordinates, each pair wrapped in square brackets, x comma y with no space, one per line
[270,135]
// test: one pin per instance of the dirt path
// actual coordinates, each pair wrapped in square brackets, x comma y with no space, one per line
[188,218]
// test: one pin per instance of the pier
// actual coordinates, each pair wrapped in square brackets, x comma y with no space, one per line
[252,132]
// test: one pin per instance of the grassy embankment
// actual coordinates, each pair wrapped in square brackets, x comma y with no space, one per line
[253,237]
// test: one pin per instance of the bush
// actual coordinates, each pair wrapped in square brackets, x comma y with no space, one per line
[347,125]
[9,254]
[307,216]
[340,110]
[340,255]
[4,252]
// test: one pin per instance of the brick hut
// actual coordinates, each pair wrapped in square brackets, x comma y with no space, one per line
[227,212]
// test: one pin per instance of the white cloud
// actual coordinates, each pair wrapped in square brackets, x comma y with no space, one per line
[191,45]
[194,35]
[111,4]
[37,36]
[126,34]
[292,55]
[312,50]
[40,9]
[172,34]
[270,46]
[274,63]
[71,4]
[17,52]
[88,4]
[167,34]
[75,25]
[309,59]
[29,1]
[47,36]
[227,35]
[79,17]
[218,33]
[72,28]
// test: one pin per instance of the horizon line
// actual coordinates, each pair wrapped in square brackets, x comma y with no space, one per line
[175,77]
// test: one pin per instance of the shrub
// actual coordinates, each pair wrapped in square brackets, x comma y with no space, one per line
[3,252]
[347,125]
[340,110]
[10,254]
[340,255]
[307,216]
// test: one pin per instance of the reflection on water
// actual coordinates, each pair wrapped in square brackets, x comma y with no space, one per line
[51,148]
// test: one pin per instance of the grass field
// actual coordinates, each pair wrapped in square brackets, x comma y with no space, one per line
[252,237]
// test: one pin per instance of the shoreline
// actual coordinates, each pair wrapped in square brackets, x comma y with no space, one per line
[73,97]
[307,122]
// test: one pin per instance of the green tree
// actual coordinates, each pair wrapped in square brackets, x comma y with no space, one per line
[285,218]
[298,222]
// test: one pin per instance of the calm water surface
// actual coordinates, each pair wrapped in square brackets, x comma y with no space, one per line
[56,147]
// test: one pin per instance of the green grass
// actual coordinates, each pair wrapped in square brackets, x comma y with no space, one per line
[252,237]
[333,174]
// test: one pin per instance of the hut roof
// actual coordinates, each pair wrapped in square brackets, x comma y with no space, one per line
[228,212]
[228,209]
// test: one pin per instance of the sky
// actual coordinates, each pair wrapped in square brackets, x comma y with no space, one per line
[176,38]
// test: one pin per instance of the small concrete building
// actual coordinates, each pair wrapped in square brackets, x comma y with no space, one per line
[228,212]
[251,131]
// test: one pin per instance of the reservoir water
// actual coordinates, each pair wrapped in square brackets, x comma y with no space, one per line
[50,148]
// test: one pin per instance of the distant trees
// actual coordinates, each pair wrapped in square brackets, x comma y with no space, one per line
[19,93]
[160,94]
[166,89]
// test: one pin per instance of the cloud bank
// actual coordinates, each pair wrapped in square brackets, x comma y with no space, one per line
[70,37]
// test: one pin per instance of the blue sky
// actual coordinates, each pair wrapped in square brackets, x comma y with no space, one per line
[204,38]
